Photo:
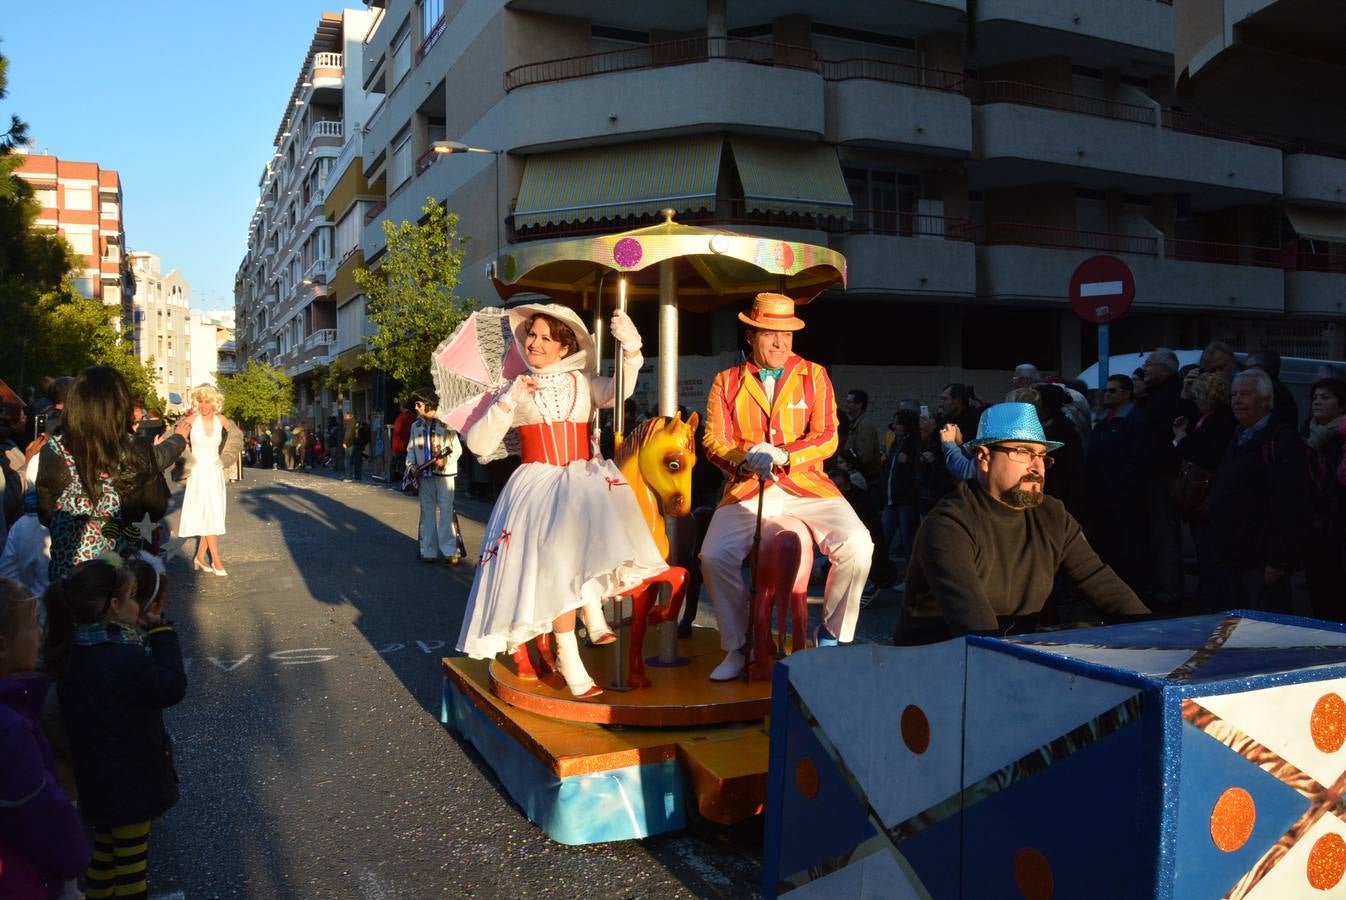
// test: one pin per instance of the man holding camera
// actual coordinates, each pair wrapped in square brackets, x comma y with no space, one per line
[433,451]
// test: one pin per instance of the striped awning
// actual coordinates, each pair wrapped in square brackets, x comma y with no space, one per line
[780,176]
[618,181]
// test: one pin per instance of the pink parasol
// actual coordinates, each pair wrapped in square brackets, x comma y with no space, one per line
[474,364]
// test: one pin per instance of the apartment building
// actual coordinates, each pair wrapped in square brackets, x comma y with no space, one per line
[83,202]
[286,313]
[161,331]
[983,151]
[211,345]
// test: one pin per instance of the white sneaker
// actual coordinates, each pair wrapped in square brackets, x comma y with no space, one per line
[731,667]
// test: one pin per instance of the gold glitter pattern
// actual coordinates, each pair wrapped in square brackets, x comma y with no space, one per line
[1232,819]
[1327,861]
[1327,723]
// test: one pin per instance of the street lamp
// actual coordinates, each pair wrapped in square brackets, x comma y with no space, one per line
[444,148]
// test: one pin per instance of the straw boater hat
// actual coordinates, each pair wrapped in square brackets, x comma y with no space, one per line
[772,312]
[1011,422]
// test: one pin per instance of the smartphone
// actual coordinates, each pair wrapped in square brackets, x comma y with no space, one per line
[925,411]
[40,424]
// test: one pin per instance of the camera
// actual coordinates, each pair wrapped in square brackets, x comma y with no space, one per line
[40,424]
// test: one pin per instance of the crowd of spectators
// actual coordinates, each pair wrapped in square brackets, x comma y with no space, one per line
[1207,471]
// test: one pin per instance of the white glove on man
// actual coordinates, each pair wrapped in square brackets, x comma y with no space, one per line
[624,331]
[761,457]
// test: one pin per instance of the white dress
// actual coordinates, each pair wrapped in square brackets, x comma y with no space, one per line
[559,536]
[203,500]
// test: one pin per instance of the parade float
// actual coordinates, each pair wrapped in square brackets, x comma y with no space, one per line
[663,743]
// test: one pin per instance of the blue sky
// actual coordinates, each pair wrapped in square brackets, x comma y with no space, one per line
[181,97]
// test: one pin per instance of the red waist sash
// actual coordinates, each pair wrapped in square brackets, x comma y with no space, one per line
[555,443]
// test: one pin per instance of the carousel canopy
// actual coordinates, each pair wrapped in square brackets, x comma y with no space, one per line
[712,266]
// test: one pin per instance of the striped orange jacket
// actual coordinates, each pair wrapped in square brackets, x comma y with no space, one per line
[802,419]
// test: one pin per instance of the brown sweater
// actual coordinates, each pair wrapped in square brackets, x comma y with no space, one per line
[980,566]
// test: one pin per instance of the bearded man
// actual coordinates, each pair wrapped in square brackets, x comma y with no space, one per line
[987,556]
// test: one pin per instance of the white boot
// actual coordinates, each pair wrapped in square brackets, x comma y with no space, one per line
[731,667]
[572,667]
[596,624]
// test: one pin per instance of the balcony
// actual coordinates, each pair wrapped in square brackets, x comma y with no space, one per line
[1315,178]
[325,135]
[322,337]
[923,108]
[327,70]
[1032,263]
[777,89]
[908,253]
[1316,286]
[1108,32]
[1024,132]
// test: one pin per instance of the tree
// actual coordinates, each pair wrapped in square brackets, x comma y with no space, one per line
[411,298]
[17,135]
[258,394]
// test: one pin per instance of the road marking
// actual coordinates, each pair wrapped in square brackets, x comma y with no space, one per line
[228,665]
[371,888]
[176,895]
[1100,288]
[283,656]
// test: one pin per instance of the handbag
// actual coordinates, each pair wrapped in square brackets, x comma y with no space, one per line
[1191,490]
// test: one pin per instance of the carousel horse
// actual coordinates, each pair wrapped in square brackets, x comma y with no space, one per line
[656,462]
[781,582]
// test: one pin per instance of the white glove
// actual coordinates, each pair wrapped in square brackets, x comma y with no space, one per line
[522,386]
[758,463]
[624,331]
[776,454]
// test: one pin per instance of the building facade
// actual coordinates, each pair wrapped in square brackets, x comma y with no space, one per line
[83,202]
[161,332]
[211,343]
[286,313]
[965,158]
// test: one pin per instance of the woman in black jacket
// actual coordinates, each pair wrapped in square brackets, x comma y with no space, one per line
[901,490]
[1323,550]
[94,478]
[1201,447]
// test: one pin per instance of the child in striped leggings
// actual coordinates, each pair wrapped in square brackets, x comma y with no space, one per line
[118,666]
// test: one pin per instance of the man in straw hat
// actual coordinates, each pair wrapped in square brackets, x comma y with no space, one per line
[772,422]
[987,555]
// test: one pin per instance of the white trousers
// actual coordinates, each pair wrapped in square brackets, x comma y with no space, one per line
[837,531]
[437,538]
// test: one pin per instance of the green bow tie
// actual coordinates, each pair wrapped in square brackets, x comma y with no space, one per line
[773,373]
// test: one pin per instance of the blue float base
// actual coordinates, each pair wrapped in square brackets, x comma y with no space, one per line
[613,805]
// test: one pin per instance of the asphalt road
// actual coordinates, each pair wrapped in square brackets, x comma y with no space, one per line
[311,756]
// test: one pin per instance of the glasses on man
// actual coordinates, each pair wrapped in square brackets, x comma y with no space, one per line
[1025,455]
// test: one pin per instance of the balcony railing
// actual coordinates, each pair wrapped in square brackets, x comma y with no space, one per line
[424,160]
[431,38]
[1026,235]
[666,53]
[1306,260]
[331,128]
[909,224]
[1230,254]
[893,73]
[323,337]
[325,61]
[375,211]
[1035,95]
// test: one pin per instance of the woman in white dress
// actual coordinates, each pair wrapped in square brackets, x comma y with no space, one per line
[203,500]
[566,531]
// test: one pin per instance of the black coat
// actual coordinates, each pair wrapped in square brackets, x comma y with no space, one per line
[1161,407]
[139,478]
[112,701]
[1261,503]
[901,488]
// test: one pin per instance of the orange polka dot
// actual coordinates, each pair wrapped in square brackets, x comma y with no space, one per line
[1327,723]
[915,730]
[806,778]
[1232,819]
[1327,862]
[1033,875]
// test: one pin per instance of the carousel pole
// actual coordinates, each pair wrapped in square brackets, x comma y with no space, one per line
[621,662]
[667,632]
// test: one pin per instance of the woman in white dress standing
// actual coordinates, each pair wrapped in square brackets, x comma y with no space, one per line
[566,531]
[203,500]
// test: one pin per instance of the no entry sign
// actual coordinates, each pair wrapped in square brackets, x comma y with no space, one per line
[1101,289]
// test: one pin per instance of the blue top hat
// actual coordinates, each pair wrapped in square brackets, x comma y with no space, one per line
[1010,422]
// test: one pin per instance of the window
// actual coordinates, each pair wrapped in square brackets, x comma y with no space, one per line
[108,209]
[81,241]
[348,231]
[46,197]
[431,12]
[78,198]
[399,166]
[885,201]
[401,55]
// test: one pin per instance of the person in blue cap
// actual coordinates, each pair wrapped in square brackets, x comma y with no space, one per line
[987,555]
